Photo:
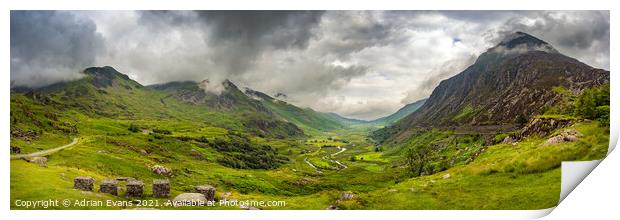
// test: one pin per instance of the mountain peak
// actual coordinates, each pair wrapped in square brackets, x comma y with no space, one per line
[106,71]
[522,42]
[104,76]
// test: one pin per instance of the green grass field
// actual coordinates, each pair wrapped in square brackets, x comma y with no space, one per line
[246,155]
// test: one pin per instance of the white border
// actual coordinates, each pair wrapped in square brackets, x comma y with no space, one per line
[586,195]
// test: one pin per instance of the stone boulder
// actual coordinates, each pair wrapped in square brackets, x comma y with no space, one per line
[42,161]
[207,190]
[508,140]
[161,188]
[346,196]
[135,188]
[83,183]
[190,199]
[161,170]
[109,186]
[569,135]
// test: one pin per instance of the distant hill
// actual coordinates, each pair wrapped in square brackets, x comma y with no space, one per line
[400,114]
[305,118]
[345,120]
[105,92]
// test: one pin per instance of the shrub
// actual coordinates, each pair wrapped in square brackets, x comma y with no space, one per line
[162,131]
[241,154]
[602,114]
[134,128]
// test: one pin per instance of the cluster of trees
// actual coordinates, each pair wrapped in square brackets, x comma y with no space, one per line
[135,128]
[591,103]
[239,153]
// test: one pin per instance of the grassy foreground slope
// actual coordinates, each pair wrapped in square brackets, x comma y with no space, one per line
[525,175]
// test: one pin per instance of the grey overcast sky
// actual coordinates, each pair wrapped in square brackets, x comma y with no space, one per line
[360,64]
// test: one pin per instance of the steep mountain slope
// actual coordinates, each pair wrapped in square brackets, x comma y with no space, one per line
[104,92]
[506,85]
[253,115]
[400,114]
[305,118]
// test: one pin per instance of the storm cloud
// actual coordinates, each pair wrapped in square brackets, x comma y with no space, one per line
[49,46]
[361,64]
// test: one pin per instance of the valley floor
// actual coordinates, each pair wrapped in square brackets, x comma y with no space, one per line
[322,171]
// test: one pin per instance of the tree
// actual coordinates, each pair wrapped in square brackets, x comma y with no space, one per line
[416,159]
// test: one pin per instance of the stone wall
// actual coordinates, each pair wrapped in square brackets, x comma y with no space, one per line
[208,191]
[83,183]
[134,189]
[109,186]
[161,188]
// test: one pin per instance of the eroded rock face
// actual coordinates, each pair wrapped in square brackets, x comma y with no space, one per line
[83,183]
[543,127]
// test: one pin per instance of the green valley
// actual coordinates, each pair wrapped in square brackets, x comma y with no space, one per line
[480,141]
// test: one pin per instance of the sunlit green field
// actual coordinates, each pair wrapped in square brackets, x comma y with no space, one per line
[505,176]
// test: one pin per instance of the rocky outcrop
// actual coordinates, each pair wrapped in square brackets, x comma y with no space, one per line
[542,127]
